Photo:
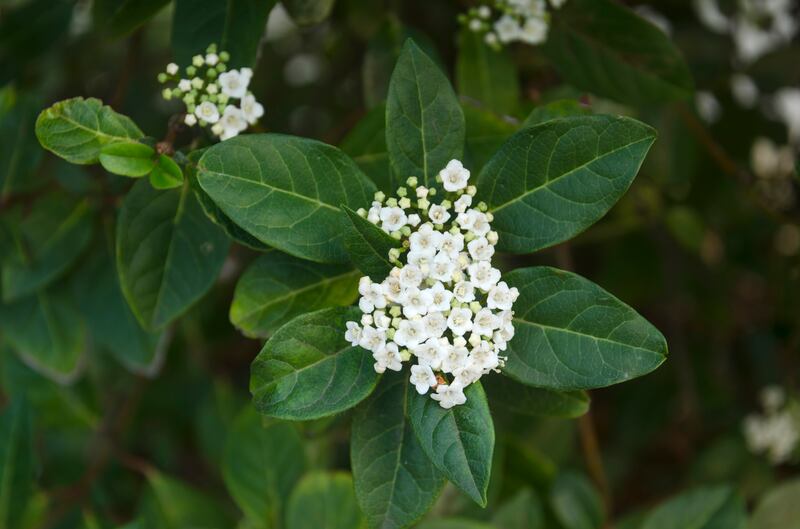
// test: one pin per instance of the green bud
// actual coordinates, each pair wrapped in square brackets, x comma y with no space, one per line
[211,73]
[212,48]
[412,181]
[176,93]
[380,196]
[475,306]
[221,67]
[482,206]
[396,235]
[395,311]
[190,108]
[362,212]
[406,230]
[391,202]
[224,56]
[166,94]
[432,192]
[191,71]
[402,191]
[198,61]
[162,78]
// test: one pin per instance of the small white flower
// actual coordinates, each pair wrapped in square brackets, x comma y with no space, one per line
[483,276]
[438,214]
[480,249]
[534,31]
[410,276]
[251,108]
[190,120]
[464,292]
[423,378]
[449,395]
[460,321]
[172,68]
[507,29]
[393,218]
[454,176]
[463,202]
[452,244]
[415,302]
[442,267]
[440,297]
[234,83]
[484,11]
[430,353]
[207,111]
[410,334]
[485,322]
[392,289]
[185,85]
[373,298]
[233,122]
[414,220]
[455,358]
[468,373]
[212,59]
[425,240]
[434,324]
[372,339]
[501,297]
[353,334]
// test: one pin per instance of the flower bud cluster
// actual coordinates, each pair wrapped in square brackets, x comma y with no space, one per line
[776,433]
[443,305]
[504,21]
[215,96]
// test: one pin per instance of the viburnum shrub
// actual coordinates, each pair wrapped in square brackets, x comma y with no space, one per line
[423,248]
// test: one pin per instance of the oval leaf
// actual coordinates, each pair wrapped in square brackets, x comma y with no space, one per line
[76,129]
[166,174]
[605,48]
[779,508]
[527,400]
[127,159]
[366,145]
[572,334]
[486,75]
[261,464]
[277,287]
[425,123]
[324,500]
[395,481]
[307,370]
[702,508]
[550,182]
[368,246]
[168,253]
[286,191]
[459,441]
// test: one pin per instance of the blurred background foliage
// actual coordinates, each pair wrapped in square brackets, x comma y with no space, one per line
[162,435]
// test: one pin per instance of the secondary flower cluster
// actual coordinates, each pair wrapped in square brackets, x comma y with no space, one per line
[443,303]
[214,95]
[777,432]
[505,21]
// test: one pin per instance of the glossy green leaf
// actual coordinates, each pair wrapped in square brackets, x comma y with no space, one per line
[213,211]
[523,511]
[176,505]
[307,370]
[572,334]
[77,129]
[46,243]
[486,75]
[605,48]
[486,132]
[168,253]
[778,508]
[108,317]
[550,182]
[526,400]
[261,464]
[701,508]
[308,12]
[127,159]
[19,151]
[277,287]
[395,481]
[166,174]
[368,246]
[237,26]
[562,108]
[46,332]
[576,503]
[425,123]
[324,500]
[459,441]
[366,145]
[16,462]
[286,191]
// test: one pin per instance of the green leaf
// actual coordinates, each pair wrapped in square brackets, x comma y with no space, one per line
[175,505]
[308,12]
[523,511]
[571,334]
[16,462]
[213,211]
[127,159]
[576,503]
[527,400]
[778,508]
[368,246]
[395,481]
[261,464]
[486,75]
[701,508]
[168,253]
[324,500]
[459,441]
[19,151]
[237,26]
[486,132]
[166,174]
[286,191]
[562,108]
[425,123]
[277,287]
[47,242]
[110,320]
[550,182]
[121,17]
[307,370]
[77,129]
[46,332]
[605,48]
[366,145]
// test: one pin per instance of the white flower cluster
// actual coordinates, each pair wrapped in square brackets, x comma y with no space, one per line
[505,21]
[777,432]
[443,303]
[214,96]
